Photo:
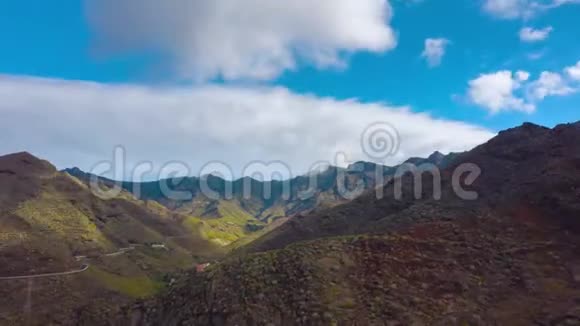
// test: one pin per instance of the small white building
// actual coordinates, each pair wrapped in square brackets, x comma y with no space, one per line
[159,246]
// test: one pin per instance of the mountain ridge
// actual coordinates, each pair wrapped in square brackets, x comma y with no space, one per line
[507,257]
[496,161]
[326,186]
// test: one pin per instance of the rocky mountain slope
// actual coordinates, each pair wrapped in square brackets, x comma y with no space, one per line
[484,271]
[51,223]
[528,168]
[507,258]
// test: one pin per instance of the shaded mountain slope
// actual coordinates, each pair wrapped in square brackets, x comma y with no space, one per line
[529,168]
[484,271]
[507,258]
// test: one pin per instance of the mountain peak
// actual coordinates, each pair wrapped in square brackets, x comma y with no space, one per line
[530,125]
[25,156]
[362,166]
[25,164]
[74,170]
[436,156]
[526,128]
[568,126]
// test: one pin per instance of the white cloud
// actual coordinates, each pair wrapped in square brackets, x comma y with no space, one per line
[506,8]
[507,91]
[511,9]
[434,50]
[522,75]
[529,34]
[79,123]
[549,84]
[495,91]
[573,72]
[243,39]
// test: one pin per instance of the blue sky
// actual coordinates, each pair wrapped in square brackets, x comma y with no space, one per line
[67,42]
[479,44]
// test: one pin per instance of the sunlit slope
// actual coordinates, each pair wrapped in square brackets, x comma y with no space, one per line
[51,222]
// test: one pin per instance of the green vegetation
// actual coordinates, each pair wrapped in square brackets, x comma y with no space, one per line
[132,286]
[49,220]
[156,208]
[232,210]
[55,214]
[273,213]
[75,180]
[233,225]
[127,228]
[193,223]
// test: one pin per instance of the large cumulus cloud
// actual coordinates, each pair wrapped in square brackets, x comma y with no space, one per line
[80,123]
[242,39]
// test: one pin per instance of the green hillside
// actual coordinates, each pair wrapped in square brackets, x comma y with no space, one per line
[50,222]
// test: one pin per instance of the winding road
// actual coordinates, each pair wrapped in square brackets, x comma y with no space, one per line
[83,268]
[28,277]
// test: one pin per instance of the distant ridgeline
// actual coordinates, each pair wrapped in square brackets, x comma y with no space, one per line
[266,200]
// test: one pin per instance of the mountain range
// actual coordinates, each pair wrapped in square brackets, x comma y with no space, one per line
[507,257]
[52,223]
[490,237]
[245,206]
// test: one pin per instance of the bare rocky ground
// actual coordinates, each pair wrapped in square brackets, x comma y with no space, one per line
[490,270]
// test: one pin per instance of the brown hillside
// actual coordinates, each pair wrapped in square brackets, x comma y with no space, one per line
[529,167]
[507,258]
